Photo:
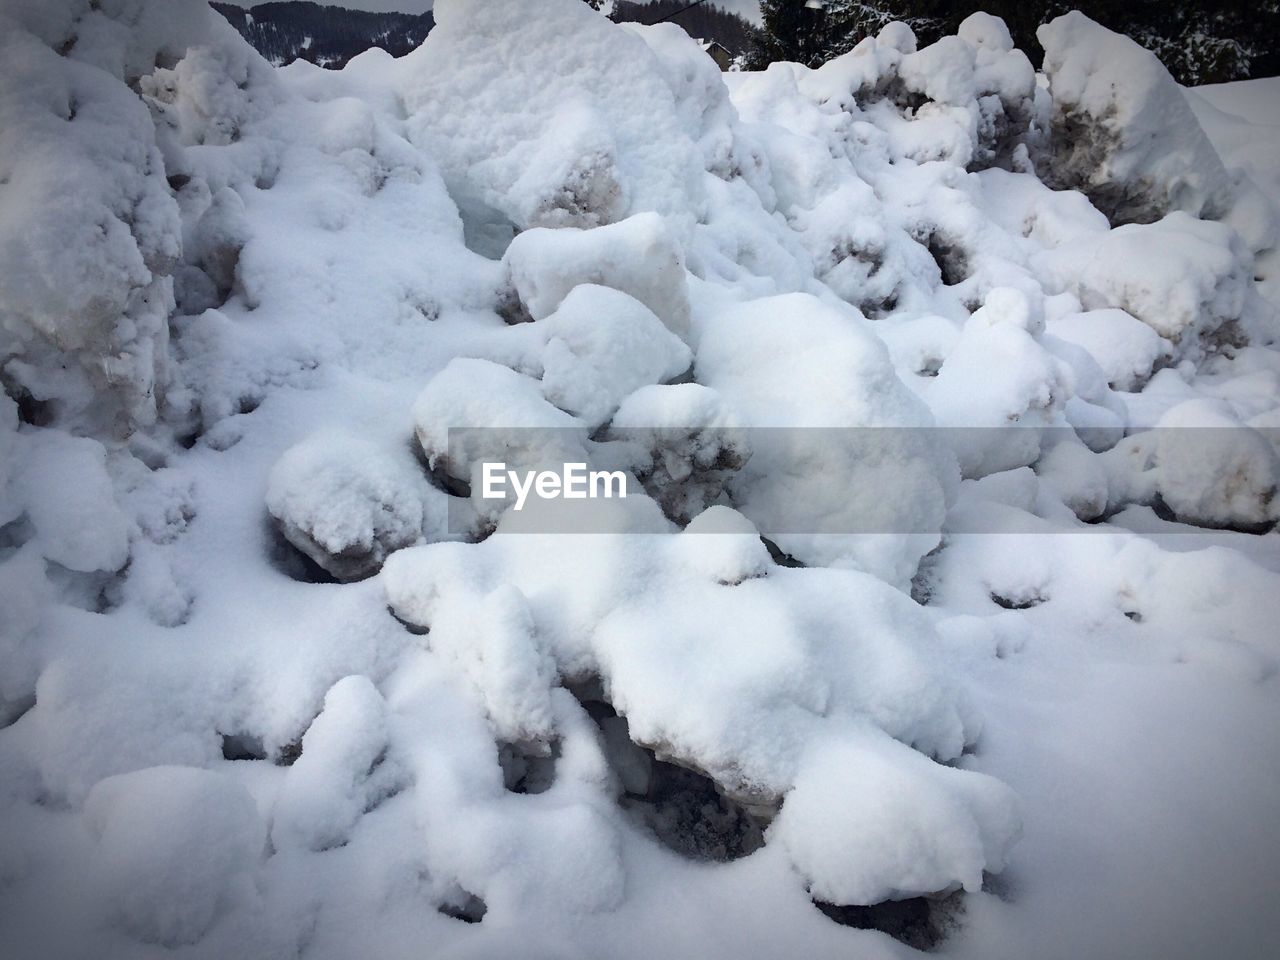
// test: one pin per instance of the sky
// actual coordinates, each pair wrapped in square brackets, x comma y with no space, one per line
[748,8]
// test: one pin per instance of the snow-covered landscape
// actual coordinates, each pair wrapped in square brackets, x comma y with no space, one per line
[942,609]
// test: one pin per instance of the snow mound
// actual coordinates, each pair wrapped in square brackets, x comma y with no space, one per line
[807,663]
[548,140]
[177,847]
[601,346]
[638,256]
[347,504]
[1122,131]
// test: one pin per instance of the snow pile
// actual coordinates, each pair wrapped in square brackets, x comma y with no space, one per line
[638,256]
[1122,131]
[934,469]
[602,345]
[825,656]
[595,138]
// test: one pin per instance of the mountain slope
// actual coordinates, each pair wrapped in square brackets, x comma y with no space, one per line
[328,36]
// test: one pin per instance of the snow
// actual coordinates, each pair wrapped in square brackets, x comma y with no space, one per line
[889,845]
[175,844]
[601,346]
[1126,349]
[558,152]
[1130,140]
[637,256]
[342,770]
[946,394]
[347,504]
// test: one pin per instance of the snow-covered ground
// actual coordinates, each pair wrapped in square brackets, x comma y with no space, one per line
[945,596]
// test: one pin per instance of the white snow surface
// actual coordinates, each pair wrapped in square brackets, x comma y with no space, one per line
[948,568]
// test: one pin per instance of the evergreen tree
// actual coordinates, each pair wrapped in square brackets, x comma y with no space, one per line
[1200,41]
[794,30]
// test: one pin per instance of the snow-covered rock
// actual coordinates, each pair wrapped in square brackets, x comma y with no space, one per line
[347,504]
[684,444]
[1189,280]
[550,140]
[841,456]
[1126,349]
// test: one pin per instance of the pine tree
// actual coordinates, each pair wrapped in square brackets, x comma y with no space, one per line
[793,30]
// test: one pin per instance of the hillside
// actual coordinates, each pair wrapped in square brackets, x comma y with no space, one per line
[325,35]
